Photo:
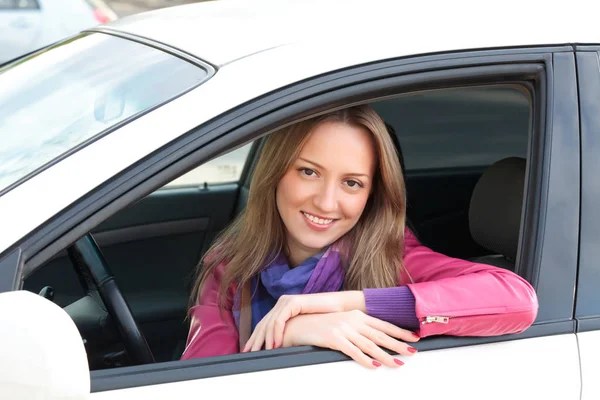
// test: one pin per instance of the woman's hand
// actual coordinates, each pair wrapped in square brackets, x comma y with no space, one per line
[269,331]
[354,333]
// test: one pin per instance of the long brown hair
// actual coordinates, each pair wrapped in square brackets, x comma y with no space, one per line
[258,233]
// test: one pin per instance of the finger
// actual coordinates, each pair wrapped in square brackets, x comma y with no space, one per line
[250,342]
[368,345]
[383,340]
[392,330]
[259,337]
[278,330]
[274,336]
[270,320]
[350,349]
[269,334]
[248,345]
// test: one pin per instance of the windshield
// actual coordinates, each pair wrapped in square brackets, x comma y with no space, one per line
[68,94]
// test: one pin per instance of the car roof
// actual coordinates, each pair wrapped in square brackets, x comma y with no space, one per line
[223,31]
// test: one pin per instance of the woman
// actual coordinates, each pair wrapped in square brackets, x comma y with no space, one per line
[321,256]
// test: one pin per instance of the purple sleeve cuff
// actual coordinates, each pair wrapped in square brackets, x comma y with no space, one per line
[395,305]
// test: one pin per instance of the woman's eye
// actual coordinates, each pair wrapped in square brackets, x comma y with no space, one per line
[353,184]
[308,171]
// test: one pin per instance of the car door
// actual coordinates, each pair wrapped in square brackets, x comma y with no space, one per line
[20,25]
[515,366]
[588,299]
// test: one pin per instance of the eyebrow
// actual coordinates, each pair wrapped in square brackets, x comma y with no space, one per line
[320,166]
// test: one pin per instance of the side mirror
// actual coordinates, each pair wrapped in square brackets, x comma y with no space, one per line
[43,356]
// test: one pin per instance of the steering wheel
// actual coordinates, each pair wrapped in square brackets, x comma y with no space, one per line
[95,277]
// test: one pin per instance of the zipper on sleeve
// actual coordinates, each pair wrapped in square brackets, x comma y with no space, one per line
[438,319]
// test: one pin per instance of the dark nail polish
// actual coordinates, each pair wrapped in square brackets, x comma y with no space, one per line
[398,361]
[415,334]
[376,363]
[412,349]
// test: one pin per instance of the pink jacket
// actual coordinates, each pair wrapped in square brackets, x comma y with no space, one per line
[452,297]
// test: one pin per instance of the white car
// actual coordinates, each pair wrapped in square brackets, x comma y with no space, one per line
[126,149]
[28,25]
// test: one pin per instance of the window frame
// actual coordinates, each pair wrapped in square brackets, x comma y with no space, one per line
[552,75]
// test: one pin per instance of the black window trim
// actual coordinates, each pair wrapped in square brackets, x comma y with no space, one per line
[587,313]
[260,116]
[558,186]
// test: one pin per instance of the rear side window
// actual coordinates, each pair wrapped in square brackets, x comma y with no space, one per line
[54,101]
[224,169]
[19,5]
[461,127]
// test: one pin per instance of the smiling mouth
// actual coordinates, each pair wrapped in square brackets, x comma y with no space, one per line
[317,220]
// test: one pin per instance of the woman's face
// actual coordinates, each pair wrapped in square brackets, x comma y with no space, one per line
[324,192]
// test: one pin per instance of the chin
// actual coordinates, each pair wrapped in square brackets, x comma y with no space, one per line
[316,244]
[317,247]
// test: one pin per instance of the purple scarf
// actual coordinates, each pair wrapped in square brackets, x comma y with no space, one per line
[320,273]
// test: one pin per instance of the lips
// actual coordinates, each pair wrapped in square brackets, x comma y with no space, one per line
[318,223]
[318,220]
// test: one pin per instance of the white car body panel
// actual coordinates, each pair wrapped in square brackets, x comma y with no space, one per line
[541,368]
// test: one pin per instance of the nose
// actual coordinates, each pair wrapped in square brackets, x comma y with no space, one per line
[326,198]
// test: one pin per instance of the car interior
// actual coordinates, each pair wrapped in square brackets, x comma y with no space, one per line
[463,151]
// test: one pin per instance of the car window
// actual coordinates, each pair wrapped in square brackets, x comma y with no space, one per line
[18,4]
[461,127]
[224,169]
[80,88]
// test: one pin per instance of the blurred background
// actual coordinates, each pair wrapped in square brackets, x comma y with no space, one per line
[128,7]
[27,25]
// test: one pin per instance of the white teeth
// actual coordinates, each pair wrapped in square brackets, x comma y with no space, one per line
[319,221]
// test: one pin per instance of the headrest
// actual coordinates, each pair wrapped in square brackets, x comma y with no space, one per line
[496,203]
